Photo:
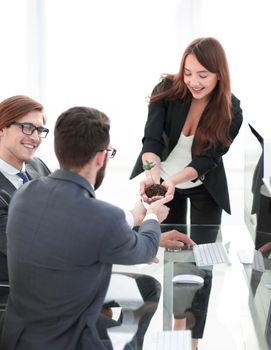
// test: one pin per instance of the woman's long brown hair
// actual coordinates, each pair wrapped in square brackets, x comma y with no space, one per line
[213,129]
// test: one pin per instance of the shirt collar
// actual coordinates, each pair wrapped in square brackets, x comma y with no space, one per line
[9,169]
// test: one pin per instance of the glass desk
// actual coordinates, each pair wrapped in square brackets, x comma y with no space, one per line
[257,200]
[218,311]
[258,278]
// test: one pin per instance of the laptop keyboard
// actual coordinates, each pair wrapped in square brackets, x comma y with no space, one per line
[210,254]
[172,340]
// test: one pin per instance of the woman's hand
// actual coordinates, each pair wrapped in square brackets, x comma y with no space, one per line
[142,188]
[170,186]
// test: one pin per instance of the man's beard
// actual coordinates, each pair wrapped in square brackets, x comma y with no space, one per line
[100,176]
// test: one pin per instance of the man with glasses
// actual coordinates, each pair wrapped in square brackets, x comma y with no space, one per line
[21,131]
[62,245]
[30,128]
[22,128]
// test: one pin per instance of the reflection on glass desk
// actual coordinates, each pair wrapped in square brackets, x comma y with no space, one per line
[188,281]
[137,297]
[206,300]
[259,280]
[258,221]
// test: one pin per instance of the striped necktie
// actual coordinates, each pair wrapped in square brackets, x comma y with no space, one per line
[23,176]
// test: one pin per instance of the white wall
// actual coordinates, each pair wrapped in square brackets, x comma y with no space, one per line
[13,53]
[109,55]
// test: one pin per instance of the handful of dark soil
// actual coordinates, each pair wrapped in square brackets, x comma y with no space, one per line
[155,190]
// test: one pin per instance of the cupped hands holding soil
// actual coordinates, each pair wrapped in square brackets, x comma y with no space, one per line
[155,189]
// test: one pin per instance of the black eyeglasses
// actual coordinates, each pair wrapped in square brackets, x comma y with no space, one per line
[29,129]
[111,152]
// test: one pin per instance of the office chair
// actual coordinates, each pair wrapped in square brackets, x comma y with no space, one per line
[4,291]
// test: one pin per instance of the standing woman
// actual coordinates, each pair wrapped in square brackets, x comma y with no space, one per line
[192,121]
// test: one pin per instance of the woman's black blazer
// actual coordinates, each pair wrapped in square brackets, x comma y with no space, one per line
[165,122]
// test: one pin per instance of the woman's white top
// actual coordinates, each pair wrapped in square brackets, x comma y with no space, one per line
[178,159]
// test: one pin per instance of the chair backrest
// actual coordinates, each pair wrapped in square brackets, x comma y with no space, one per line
[4,291]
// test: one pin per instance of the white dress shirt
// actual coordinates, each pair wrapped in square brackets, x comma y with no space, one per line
[10,172]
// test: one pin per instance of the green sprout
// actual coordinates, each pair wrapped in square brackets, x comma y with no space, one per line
[148,166]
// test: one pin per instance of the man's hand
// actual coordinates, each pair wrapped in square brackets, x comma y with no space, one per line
[175,240]
[159,208]
[138,212]
[154,261]
[265,249]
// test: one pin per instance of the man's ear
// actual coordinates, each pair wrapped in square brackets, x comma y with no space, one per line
[101,158]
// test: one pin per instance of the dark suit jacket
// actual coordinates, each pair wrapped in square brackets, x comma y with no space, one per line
[35,169]
[61,248]
[165,122]
[257,181]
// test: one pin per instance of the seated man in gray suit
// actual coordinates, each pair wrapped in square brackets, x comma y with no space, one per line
[15,155]
[22,128]
[62,244]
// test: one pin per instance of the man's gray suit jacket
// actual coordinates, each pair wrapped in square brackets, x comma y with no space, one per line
[61,248]
[35,169]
